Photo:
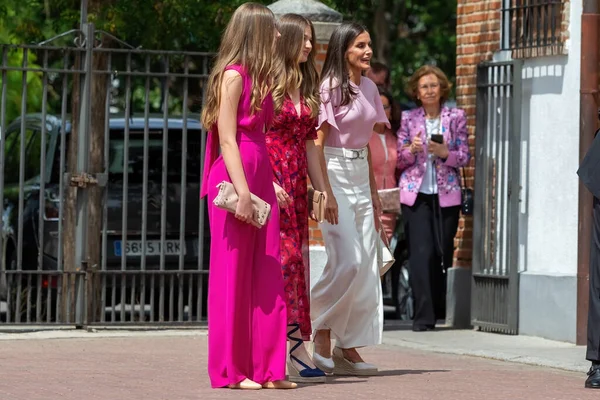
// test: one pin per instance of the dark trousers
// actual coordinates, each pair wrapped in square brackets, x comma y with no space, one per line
[430,232]
[593,322]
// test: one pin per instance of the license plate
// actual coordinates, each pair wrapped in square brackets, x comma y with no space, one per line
[153,248]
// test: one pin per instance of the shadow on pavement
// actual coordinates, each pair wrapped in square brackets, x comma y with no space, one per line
[399,325]
[399,372]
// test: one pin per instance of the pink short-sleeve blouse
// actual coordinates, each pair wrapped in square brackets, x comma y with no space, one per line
[351,125]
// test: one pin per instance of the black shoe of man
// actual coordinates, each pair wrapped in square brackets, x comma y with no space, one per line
[593,379]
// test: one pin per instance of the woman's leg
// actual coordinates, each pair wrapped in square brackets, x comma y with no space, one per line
[269,315]
[229,311]
[418,221]
[300,365]
[449,225]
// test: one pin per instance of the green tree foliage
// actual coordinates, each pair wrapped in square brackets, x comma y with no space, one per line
[14,79]
[152,24]
[407,34]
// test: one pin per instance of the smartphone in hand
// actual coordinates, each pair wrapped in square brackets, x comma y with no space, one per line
[437,138]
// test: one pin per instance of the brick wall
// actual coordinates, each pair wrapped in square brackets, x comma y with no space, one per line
[477,38]
[321,52]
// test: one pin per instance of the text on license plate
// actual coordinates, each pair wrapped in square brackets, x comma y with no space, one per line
[153,248]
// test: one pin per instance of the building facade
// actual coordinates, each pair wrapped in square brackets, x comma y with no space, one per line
[519,77]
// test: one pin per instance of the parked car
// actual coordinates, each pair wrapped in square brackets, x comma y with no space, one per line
[397,292]
[115,220]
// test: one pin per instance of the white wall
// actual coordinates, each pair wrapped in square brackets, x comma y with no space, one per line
[548,223]
[550,128]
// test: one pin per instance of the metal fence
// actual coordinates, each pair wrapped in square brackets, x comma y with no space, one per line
[533,27]
[497,190]
[99,184]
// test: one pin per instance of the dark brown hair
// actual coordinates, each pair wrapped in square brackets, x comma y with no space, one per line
[335,68]
[378,67]
[412,87]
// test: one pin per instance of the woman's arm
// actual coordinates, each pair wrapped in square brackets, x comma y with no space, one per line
[374,194]
[231,90]
[406,157]
[459,155]
[316,160]
[331,209]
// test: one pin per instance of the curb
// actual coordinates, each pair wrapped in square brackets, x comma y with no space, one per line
[491,355]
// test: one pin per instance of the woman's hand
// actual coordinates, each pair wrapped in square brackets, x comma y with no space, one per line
[283,199]
[244,210]
[312,214]
[377,209]
[438,149]
[331,209]
[416,145]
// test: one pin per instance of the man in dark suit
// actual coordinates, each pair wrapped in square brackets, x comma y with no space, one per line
[589,173]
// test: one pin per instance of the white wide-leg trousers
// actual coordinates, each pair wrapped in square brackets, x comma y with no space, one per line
[347,299]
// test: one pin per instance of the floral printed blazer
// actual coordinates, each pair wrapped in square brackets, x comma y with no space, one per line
[412,167]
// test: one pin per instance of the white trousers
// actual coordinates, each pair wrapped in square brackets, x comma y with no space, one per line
[347,298]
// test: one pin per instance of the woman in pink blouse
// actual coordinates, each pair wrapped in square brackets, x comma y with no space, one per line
[384,159]
[346,302]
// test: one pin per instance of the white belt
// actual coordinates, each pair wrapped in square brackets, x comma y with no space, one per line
[351,154]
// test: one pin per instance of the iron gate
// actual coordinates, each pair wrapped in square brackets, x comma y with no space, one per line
[99,183]
[497,190]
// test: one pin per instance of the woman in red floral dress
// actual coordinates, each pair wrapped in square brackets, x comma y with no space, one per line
[293,158]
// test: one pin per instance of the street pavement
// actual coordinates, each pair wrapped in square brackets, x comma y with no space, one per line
[171,365]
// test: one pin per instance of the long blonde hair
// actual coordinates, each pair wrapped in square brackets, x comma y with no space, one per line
[248,41]
[289,74]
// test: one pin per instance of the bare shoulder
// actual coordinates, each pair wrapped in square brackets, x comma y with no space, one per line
[232,77]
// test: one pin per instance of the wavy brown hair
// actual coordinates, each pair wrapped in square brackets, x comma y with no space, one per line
[289,73]
[248,41]
[412,87]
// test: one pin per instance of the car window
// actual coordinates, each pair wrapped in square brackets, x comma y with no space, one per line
[12,154]
[33,154]
[135,164]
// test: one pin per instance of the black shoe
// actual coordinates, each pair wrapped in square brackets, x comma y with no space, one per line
[422,328]
[593,379]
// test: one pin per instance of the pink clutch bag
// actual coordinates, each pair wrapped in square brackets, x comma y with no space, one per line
[390,200]
[227,199]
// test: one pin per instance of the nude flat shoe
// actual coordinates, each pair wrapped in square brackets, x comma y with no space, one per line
[282,384]
[246,384]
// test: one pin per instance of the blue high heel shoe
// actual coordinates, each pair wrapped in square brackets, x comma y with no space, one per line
[306,375]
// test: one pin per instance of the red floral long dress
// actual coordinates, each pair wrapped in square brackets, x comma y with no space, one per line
[286,143]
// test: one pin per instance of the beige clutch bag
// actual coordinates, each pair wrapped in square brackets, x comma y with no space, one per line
[390,200]
[385,257]
[227,199]
[316,203]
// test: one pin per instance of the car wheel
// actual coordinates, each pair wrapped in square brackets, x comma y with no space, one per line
[405,306]
[28,288]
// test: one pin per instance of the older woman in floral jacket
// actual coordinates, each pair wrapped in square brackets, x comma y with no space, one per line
[432,147]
